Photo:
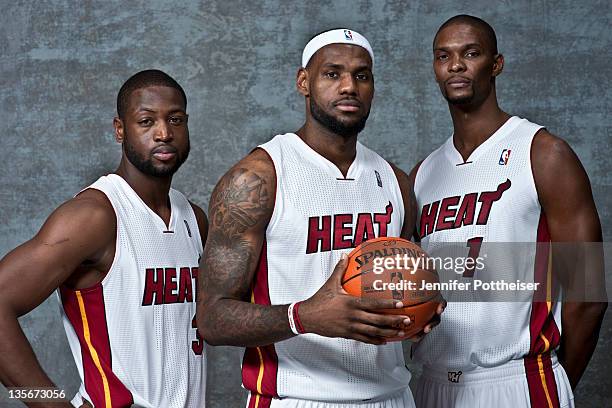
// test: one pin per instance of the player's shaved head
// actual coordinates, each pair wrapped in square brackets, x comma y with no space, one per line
[478,23]
[144,79]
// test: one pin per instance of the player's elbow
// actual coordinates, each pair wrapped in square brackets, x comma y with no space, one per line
[596,310]
[207,326]
[209,334]
[587,311]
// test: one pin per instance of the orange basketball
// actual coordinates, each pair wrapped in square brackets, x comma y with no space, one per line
[394,268]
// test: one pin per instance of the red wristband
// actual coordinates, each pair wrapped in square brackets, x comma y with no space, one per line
[296,318]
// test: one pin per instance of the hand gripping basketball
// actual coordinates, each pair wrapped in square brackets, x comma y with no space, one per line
[395,268]
[332,312]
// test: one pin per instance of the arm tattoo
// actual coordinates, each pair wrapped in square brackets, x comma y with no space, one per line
[239,202]
[239,210]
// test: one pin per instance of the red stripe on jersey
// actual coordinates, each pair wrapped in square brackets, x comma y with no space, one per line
[541,382]
[85,311]
[260,364]
[543,330]
[542,322]
[259,401]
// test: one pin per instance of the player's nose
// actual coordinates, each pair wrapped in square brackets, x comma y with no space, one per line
[348,84]
[456,64]
[163,132]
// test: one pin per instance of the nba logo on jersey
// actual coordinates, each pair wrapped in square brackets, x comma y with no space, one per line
[348,35]
[505,156]
[378,179]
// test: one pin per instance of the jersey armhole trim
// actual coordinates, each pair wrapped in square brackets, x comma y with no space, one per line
[536,195]
[398,189]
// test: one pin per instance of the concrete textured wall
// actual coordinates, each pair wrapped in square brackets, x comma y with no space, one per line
[62,63]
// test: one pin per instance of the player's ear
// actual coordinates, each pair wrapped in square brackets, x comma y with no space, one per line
[119,130]
[498,64]
[301,82]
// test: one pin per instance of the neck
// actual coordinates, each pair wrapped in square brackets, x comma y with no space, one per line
[152,190]
[340,150]
[473,125]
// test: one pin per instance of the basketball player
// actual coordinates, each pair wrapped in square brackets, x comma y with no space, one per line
[500,178]
[123,255]
[281,218]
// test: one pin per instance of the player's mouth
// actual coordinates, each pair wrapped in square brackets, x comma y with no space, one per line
[348,105]
[164,153]
[458,82]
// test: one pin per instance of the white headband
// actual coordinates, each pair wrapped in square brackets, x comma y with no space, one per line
[340,36]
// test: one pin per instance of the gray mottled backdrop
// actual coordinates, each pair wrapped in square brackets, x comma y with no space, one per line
[62,63]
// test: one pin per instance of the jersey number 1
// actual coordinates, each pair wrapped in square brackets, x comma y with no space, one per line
[474,245]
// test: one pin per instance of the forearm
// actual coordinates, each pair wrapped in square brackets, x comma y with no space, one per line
[18,364]
[230,322]
[581,324]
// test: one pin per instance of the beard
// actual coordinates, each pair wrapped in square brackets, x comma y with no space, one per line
[458,100]
[461,100]
[335,125]
[147,167]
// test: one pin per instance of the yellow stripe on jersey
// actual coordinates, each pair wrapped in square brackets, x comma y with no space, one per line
[261,371]
[543,378]
[92,350]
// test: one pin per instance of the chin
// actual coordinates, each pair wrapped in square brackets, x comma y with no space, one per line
[459,99]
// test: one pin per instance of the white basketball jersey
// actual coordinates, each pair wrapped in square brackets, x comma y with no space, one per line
[133,335]
[490,198]
[318,215]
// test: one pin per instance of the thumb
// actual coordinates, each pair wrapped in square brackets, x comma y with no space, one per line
[340,269]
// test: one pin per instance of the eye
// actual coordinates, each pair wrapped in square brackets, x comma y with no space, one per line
[363,76]
[331,74]
[177,120]
[442,57]
[472,54]
[146,122]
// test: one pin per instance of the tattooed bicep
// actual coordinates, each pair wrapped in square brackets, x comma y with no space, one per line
[240,207]
[243,199]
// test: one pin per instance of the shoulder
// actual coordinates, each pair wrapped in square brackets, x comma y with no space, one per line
[549,148]
[558,174]
[86,222]
[257,167]
[405,185]
[401,175]
[245,194]
[90,207]
[550,154]
[413,173]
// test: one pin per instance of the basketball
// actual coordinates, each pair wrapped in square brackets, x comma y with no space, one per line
[394,268]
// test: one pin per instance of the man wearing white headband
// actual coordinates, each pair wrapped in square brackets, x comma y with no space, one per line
[281,219]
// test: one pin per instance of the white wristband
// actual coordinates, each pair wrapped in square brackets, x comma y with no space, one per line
[291,319]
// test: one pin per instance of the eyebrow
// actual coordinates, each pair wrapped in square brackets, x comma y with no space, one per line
[470,45]
[363,67]
[146,109]
[331,65]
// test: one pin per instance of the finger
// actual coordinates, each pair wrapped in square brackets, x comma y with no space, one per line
[441,307]
[375,331]
[432,323]
[377,304]
[383,320]
[377,341]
